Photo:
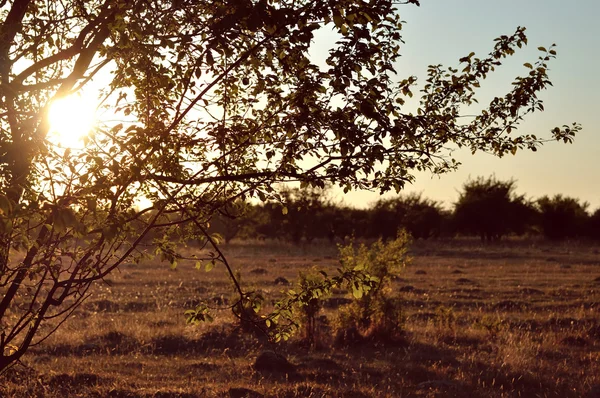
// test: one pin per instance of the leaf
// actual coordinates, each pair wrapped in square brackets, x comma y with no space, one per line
[110,232]
[5,205]
[217,238]
[284,210]
[209,58]
[209,265]
[338,20]
[64,218]
[357,291]
[91,204]
[528,65]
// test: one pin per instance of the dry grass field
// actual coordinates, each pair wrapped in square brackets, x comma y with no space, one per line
[509,319]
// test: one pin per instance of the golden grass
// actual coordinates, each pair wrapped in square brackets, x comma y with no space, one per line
[515,318]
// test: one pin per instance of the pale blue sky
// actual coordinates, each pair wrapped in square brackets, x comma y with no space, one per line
[442,31]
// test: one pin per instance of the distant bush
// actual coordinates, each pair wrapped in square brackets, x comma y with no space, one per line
[491,209]
[232,220]
[420,216]
[562,217]
[487,207]
[593,225]
[299,215]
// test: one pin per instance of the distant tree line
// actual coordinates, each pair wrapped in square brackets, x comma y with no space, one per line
[487,208]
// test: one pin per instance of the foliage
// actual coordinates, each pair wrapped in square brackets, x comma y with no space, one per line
[299,215]
[310,309]
[491,209]
[366,272]
[593,225]
[376,313]
[306,214]
[284,320]
[247,310]
[231,220]
[562,217]
[217,102]
[420,216]
[198,315]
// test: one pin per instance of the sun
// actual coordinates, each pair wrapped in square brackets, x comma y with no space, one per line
[71,118]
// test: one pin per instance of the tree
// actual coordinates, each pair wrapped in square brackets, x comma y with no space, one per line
[231,220]
[302,214]
[593,227]
[562,217]
[491,209]
[219,101]
[419,216]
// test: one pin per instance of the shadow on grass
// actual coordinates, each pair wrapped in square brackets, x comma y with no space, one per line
[117,343]
[411,368]
[424,370]
[69,384]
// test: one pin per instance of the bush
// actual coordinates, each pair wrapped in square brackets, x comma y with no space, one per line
[420,216]
[562,217]
[299,215]
[376,314]
[593,225]
[231,221]
[366,272]
[310,308]
[491,209]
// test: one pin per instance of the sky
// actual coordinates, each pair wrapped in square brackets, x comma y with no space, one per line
[442,31]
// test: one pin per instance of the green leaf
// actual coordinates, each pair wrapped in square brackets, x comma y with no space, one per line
[64,218]
[217,238]
[338,20]
[357,291]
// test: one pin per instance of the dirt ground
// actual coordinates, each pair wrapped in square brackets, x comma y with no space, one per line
[509,319]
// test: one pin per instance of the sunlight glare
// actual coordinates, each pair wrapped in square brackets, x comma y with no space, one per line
[142,203]
[71,118]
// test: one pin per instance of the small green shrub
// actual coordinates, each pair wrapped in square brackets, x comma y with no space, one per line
[300,306]
[310,307]
[375,313]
